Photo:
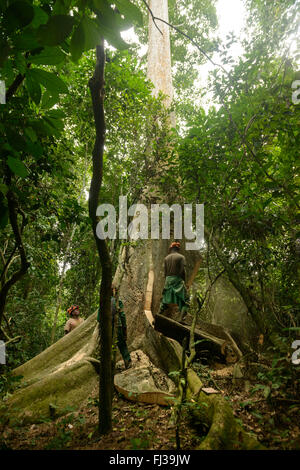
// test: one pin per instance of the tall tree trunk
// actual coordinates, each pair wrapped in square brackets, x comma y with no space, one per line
[96,85]
[159,53]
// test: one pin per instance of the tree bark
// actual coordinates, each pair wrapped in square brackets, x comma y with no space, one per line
[159,53]
[96,85]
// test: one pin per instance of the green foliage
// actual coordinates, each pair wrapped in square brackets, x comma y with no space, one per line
[8,383]
[40,165]
[65,428]
[239,160]
[139,443]
[282,379]
[63,437]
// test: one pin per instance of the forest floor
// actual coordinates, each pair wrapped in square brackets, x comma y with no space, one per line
[137,426]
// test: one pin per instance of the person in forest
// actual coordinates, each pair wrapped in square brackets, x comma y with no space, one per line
[119,320]
[74,319]
[175,291]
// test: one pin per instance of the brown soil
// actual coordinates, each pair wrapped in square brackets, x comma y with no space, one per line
[275,422]
[135,426]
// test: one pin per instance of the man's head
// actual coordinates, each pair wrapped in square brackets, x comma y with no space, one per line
[174,247]
[73,311]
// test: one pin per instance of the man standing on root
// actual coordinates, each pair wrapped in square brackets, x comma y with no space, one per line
[175,291]
[119,320]
[74,319]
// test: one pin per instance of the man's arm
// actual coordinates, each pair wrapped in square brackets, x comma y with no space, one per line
[67,327]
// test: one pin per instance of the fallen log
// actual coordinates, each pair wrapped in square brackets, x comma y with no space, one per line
[213,339]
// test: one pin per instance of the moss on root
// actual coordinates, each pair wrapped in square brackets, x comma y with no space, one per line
[60,377]
[224,432]
[77,343]
[68,387]
[63,376]
[212,412]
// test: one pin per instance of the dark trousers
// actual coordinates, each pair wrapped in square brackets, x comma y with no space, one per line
[122,345]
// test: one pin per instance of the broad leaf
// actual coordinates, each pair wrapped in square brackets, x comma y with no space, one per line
[110,24]
[130,11]
[40,17]
[48,56]
[92,33]
[77,42]
[33,87]
[18,15]
[17,166]
[26,41]
[29,132]
[49,99]
[49,80]
[57,29]
[3,188]
[112,36]
[54,121]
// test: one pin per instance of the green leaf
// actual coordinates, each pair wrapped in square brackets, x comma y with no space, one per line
[3,188]
[57,29]
[130,11]
[112,36]
[92,33]
[53,119]
[48,56]
[29,132]
[77,42]
[49,99]
[109,23]
[49,80]
[292,328]
[34,149]
[18,15]
[100,5]
[40,17]
[56,114]
[20,63]
[33,87]
[26,41]
[61,7]
[17,166]
[41,128]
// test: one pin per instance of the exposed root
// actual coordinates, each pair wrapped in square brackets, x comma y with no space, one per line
[213,411]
